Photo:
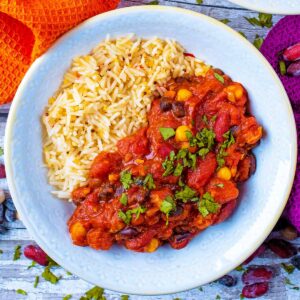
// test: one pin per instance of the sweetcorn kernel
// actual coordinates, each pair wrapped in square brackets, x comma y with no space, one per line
[183,95]
[152,246]
[180,134]
[224,173]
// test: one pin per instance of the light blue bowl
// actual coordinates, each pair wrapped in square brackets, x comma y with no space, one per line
[218,249]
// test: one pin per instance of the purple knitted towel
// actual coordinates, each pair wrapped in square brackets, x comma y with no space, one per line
[284,34]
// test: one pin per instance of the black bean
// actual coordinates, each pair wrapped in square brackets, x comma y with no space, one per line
[165,104]
[129,232]
[182,236]
[177,212]
[9,204]
[1,213]
[2,229]
[10,215]
[178,109]
[228,280]
[253,164]
[106,192]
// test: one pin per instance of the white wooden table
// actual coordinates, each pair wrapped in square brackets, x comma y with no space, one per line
[14,274]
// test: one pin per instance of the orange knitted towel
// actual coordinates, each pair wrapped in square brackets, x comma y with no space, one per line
[29,27]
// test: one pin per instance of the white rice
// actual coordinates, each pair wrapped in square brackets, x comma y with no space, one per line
[104,97]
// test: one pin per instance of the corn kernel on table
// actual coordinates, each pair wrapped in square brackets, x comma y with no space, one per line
[14,274]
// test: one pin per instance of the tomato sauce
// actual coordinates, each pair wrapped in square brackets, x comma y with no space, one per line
[175,177]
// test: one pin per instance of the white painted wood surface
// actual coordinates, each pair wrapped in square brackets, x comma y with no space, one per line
[14,274]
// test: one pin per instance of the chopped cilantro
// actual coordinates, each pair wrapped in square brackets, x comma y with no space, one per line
[166,132]
[218,297]
[288,268]
[36,281]
[186,194]
[202,152]
[22,292]
[199,1]
[220,185]
[213,118]
[1,251]
[200,288]
[17,253]
[204,119]
[168,164]
[124,297]
[52,263]
[33,264]
[180,182]
[167,206]
[282,67]
[240,269]
[1,151]
[229,140]
[49,276]
[225,21]
[242,34]
[263,20]
[126,217]
[69,273]
[124,199]
[126,179]
[219,77]
[67,297]
[207,205]
[258,41]
[178,170]
[149,182]
[156,2]
[95,293]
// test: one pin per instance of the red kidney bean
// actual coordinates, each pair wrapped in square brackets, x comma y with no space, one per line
[292,53]
[255,290]
[282,248]
[221,125]
[257,274]
[129,232]
[165,104]
[294,69]
[2,171]
[37,254]
[253,164]
[179,241]
[257,252]
[165,149]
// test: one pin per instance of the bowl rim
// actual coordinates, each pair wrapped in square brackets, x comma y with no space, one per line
[273,10]
[16,102]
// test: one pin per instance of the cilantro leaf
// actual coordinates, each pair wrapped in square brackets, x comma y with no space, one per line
[220,185]
[242,34]
[124,199]
[149,182]
[33,264]
[204,119]
[1,251]
[166,132]
[67,297]
[126,217]
[36,281]
[199,1]
[225,21]
[229,140]
[186,194]
[168,164]
[17,253]
[288,268]
[22,292]
[95,293]
[126,179]
[219,77]
[258,41]
[167,206]
[49,276]
[1,151]
[178,170]
[207,205]
[153,2]
[263,20]
[124,297]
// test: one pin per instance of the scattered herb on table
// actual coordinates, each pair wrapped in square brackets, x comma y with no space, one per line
[153,2]
[95,293]
[218,297]
[33,264]
[17,253]
[21,292]
[263,20]
[282,67]
[49,276]
[69,273]
[240,269]
[288,268]
[200,289]
[242,34]
[1,251]
[36,281]
[225,21]
[1,151]
[199,1]
[258,41]
[124,297]
[67,297]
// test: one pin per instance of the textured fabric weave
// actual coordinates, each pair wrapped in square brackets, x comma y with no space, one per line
[29,27]
[284,34]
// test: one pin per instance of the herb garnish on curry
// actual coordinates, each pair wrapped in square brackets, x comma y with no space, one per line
[172,179]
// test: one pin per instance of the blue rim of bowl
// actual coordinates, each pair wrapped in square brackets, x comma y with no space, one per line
[33,230]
